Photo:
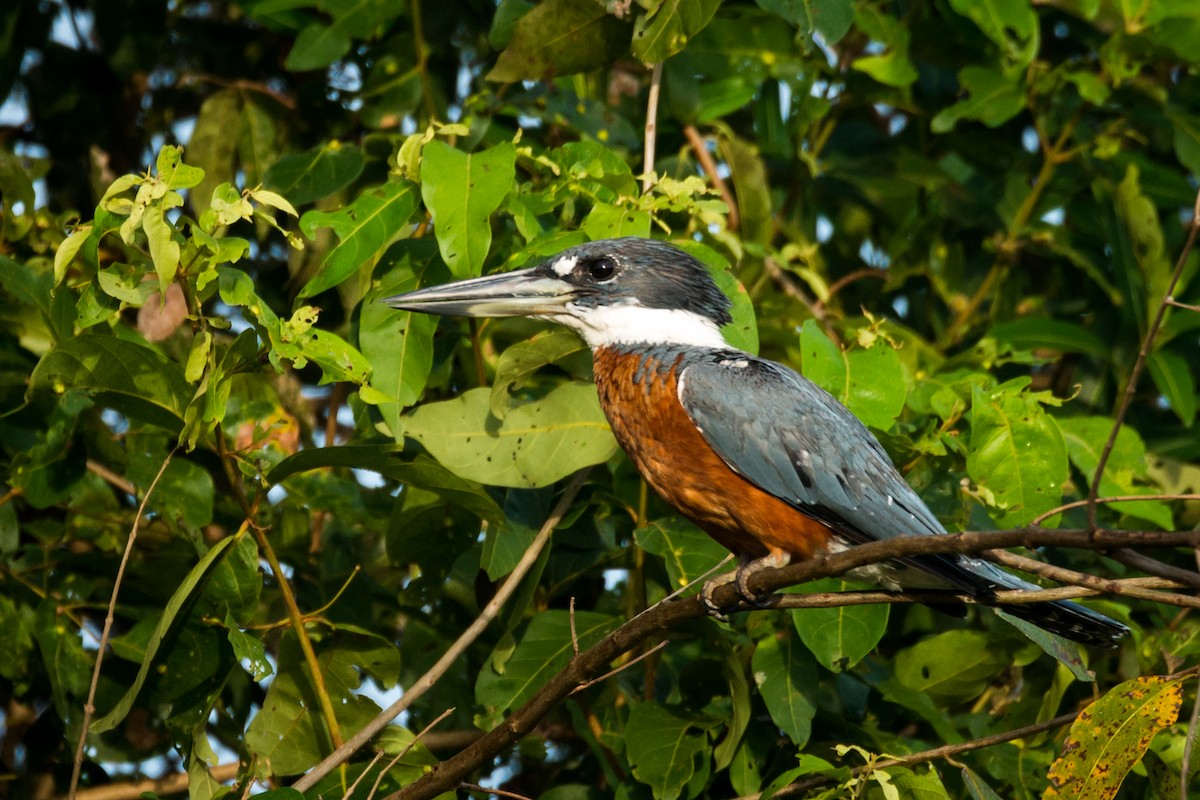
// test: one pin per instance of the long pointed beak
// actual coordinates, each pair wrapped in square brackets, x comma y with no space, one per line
[523,293]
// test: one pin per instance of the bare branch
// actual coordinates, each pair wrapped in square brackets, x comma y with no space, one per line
[1106,585]
[89,707]
[1171,301]
[1123,498]
[1152,566]
[404,752]
[168,785]
[621,668]
[1140,363]
[431,677]
[700,149]
[651,135]
[595,660]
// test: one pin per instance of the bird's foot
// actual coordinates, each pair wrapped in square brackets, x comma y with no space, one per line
[706,595]
[748,569]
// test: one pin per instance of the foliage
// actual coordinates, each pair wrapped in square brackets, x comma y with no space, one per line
[959,217]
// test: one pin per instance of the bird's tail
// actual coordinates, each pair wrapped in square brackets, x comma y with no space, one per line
[1069,620]
[1061,617]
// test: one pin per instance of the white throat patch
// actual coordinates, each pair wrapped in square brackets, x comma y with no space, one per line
[633,324]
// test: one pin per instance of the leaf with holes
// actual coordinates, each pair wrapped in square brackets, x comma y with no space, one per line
[1110,736]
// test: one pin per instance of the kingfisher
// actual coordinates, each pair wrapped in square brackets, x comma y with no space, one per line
[766,462]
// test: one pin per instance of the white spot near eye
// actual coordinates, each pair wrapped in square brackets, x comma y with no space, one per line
[565,265]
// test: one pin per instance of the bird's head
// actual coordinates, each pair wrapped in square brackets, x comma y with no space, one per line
[613,292]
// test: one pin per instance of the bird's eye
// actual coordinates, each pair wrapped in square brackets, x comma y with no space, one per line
[601,269]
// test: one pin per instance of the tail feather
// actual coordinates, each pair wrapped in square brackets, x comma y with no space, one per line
[1061,617]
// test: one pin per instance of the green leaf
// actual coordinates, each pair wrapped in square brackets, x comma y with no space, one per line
[399,344]
[1011,24]
[544,649]
[164,250]
[869,382]
[1109,737]
[173,172]
[742,333]
[364,228]
[687,551]
[786,676]
[290,733]
[118,374]
[462,190]
[317,46]
[1017,456]
[214,144]
[666,28]
[1186,129]
[1031,334]
[237,582]
[893,67]
[951,667]
[1173,376]
[1085,437]
[524,512]
[993,99]
[661,750]
[195,578]
[518,363]
[977,786]
[750,182]
[560,37]
[311,175]
[839,637]
[610,222]
[67,251]
[831,18]
[536,443]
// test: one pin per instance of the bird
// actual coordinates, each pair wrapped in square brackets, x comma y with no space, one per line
[763,460]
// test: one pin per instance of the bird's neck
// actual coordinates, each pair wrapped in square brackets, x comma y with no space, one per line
[634,326]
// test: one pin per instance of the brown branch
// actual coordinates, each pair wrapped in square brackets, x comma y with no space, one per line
[1171,301]
[1185,763]
[846,280]
[595,660]
[110,477]
[946,751]
[168,785]
[1105,585]
[700,149]
[651,133]
[1122,498]
[1140,363]
[474,787]
[935,597]
[1152,566]
[89,707]
[621,668]
[434,674]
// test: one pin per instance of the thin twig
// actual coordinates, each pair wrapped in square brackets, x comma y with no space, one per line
[1106,585]
[574,635]
[949,596]
[1171,301]
[160,787]
[110,477]
[846,280]
[651,135]
[945,751]
[361,775]
[700,149]
[1152,566]
[1185,763]
[404,752]
[598,658]
[474,787]
[89,707]
[1140,363]
[1122,498]
[434,674]
[621,668]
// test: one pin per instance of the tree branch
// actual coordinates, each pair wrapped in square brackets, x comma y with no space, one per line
[651,133]
[450,773]
[1140,363]
[452,654]
[89,707]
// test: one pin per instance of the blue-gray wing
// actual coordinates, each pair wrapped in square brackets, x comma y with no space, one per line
[789,437]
